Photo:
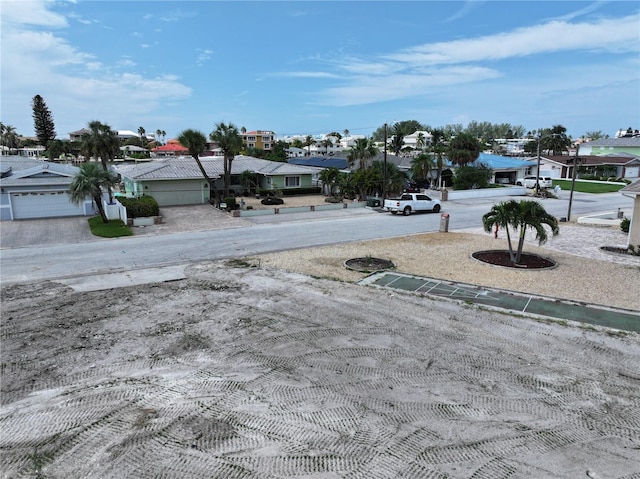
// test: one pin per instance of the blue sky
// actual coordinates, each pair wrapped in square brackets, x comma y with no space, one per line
[310,67]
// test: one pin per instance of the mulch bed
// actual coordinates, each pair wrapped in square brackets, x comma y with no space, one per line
[501,258]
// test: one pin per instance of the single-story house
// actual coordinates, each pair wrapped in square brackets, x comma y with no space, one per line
[633,189]
[621,165]
[33,188]
[179,181]
[611,146]
[506,169]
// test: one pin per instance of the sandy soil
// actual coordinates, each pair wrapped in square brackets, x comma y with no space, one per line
[277,371]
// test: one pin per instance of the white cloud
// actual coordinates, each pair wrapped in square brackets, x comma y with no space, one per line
[204,55]
[77,86]
[608,34]
[36,13]
[413,71]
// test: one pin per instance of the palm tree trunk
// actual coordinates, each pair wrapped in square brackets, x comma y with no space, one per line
[98,201]
[523,232]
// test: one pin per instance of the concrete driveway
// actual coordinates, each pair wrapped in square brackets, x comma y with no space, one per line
[69,230]
[40,232]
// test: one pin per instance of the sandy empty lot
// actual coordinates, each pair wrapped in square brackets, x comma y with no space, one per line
[244,372]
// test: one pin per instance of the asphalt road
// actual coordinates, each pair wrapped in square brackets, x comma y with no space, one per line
[264,234]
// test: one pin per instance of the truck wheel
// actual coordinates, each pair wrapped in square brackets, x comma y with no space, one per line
[436,209]
[406,211]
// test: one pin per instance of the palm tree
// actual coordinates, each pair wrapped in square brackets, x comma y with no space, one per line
[196,143]
[158,134]
[329,177]
[229,141]
[363,149]
[10,137]
[422,165]
[102,142]
[327,143]
[556,140]
[308,141]
[520,215]
[438,148]
[420,141]
[164,135]
[90,181]
[142,132]
[464,149]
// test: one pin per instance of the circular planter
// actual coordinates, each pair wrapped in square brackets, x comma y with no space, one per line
[369,264]
[528,261]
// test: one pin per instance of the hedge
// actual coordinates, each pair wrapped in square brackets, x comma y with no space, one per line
[140,207]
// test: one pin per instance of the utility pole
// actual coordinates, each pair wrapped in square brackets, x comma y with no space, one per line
[384,172]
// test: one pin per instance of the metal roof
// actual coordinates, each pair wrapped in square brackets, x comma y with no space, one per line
[187,168]
[24,171]
[633,188]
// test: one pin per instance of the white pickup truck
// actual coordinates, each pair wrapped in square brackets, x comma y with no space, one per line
[410,202]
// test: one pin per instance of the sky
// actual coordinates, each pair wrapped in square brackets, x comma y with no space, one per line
[313,67]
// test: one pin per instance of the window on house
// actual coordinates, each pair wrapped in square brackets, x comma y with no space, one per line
[251,138]
[267,146]
[291,181]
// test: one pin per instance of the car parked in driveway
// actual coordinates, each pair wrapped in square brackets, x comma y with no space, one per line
[530,181]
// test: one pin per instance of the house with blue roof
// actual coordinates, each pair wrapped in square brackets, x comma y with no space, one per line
[506,169]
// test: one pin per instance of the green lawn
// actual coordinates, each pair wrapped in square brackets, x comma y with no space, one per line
[112,229]
[588,186]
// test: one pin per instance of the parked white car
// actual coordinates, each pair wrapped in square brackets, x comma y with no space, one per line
[530,181]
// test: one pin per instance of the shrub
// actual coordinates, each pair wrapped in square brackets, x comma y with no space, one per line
[231,202]
[472,176]
[140,207]
[333,199]
[625,224]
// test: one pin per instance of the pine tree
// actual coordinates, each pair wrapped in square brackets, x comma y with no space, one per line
[43,121]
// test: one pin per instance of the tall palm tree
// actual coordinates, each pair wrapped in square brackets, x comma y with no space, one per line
[420,141]
[158,134]
[363,149]
[308,141]
[164,135]
[101,143]
[196,143]
[142,132]
[327,143]
[438,149]
[229,141]
[90,181]
[521,215]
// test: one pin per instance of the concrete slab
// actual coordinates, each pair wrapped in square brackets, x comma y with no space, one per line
[125,278]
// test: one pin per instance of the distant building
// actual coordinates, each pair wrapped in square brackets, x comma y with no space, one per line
[259,139]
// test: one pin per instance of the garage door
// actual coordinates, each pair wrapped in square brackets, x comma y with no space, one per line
[43,204]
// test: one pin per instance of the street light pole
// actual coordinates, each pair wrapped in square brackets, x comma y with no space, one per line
[573,181]
[538,168]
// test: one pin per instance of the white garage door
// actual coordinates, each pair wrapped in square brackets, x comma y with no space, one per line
[43,204]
